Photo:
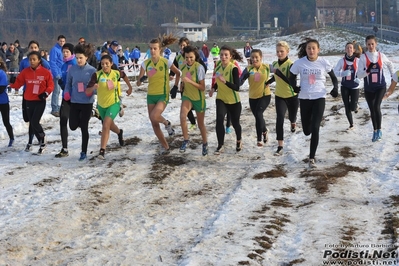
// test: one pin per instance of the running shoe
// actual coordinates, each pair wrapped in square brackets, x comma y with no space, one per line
[279,151]
[28,147]
[82,157]
[379,134]
[169,128]
[11,142]
[228,130]
[101,154]
[312,163]
[42,147]
[239,146]
[265,136]
[120,137]
[183,146]
[219,150]
[165,151]
[62,153]
[204,149]
[375,135]
[192,127]
[293,127]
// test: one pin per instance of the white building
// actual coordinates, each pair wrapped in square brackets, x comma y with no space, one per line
[195,32]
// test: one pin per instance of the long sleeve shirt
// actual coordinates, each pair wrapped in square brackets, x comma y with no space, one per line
[36,81]
[78,78]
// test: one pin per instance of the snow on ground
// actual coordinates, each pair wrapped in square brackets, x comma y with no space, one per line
[251,208]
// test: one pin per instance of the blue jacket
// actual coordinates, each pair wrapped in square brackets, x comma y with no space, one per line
[126,54]
[3,82]
[56,61]
[135,54]
[82,75]
[98,55]
[64,71]
[115,58]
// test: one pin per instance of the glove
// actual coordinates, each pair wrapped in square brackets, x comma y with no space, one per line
[346,73]
[297,89]
[43,96]
[173,92]
[143,78]
[334,92]
[370,67]
[67,96]
[356,80]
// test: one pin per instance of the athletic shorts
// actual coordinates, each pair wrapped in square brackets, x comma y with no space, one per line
[154,99]
[199,106]
[111,111]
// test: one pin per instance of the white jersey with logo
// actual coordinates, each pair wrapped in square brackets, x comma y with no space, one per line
[312,77]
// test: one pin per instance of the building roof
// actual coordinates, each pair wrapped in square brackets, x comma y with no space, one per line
[187,25]
[335,3]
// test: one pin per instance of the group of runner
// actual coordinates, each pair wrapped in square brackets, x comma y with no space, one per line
[80,82]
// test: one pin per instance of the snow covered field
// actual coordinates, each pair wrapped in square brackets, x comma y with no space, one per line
[251,208]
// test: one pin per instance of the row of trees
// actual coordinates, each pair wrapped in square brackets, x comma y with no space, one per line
[140,19]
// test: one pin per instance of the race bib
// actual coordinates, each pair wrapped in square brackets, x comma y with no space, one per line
[36,89]
[110,85]
[152,72]
[312,79]
[188,75]
[374,77]
[81,87]
[256,77]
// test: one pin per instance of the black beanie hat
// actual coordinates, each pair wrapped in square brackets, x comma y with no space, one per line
[4,43]
[16,41]
[68,46]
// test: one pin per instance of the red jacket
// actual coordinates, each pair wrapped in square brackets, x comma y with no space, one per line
[36,82]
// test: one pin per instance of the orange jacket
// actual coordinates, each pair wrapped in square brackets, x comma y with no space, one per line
[36,81]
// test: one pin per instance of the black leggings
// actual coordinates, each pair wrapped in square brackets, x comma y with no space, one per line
[258,106]
[79,116]
[5,114]
[64,116]
[282,105]
[350,97]
[35,110]
[374,100]
[311,116]
[221,111]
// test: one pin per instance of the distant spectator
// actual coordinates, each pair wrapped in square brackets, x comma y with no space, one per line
[98,54]
[135,56]
[126,54]
[113,48]
[12,56]
[205,50]
[56,62]
[3,51]
[20,50]
[215,54]
[247,52]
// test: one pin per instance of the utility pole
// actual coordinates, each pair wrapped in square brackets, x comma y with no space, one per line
[381,18]
[101,20]
[216,13]
[258,28]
